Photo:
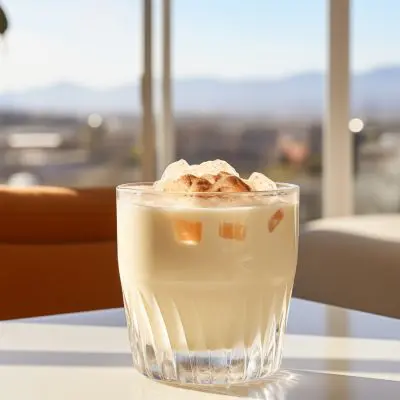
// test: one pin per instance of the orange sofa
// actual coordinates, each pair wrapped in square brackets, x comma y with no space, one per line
[57,251]
[58,255]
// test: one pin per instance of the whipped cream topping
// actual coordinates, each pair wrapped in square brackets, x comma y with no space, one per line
[210,176]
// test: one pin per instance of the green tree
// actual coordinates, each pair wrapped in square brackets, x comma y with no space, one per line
[3,21]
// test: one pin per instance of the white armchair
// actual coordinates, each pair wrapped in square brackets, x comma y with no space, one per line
[352,262]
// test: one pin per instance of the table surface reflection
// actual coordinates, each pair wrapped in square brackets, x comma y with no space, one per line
[330,353]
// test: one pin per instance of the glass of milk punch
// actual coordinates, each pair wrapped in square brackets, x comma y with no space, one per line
[207,262]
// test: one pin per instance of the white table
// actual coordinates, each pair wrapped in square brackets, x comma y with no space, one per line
[86,356]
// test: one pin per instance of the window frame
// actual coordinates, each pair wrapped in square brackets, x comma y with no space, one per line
[337,158]
[148,138]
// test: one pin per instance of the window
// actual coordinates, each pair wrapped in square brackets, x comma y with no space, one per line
[248,88]
[69,94]
[375,105]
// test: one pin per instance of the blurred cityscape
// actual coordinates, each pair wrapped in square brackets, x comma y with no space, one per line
[99,150]
[245,90]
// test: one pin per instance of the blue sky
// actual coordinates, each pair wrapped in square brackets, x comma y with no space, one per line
[66,40]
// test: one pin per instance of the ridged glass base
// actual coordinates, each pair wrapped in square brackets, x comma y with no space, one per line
[169,345]
[224,367]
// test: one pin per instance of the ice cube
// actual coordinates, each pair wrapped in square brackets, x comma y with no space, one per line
[188,232]
[275,220]
[229,230]
[259,182]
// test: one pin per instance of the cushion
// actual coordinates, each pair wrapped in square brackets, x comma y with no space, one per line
[353,262]
[56,215]
[59,278]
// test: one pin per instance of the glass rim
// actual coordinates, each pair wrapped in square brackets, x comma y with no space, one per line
[147,188]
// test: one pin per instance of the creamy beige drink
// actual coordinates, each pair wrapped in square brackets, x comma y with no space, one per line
[207,273]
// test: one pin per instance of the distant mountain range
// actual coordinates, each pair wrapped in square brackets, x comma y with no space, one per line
[376,92]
